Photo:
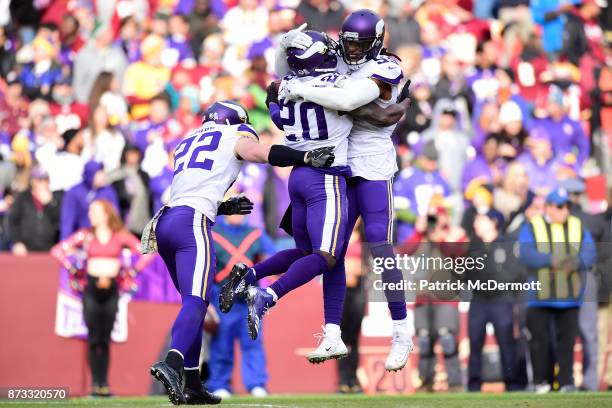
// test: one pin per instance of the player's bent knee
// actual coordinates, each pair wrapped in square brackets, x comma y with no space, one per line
[376,233]
[329,258]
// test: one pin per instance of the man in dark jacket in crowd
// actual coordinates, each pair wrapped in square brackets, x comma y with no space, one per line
[492,306]
[34,216]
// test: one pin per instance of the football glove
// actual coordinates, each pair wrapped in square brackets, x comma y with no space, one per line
[296,39]
[321,157]
[404,93]
[235,205]
[290,90]
[272,93]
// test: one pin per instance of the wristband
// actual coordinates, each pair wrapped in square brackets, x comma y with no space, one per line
[283,156]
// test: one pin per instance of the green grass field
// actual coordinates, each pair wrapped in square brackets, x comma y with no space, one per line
[461,400]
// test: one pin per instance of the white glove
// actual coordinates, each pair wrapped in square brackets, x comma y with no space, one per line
[290,90]
[296,39]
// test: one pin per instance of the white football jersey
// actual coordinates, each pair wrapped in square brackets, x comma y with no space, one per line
[205,167]
[368,140]
[309,126]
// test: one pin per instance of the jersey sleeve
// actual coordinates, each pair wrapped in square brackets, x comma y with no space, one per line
[387,70]
[245,130]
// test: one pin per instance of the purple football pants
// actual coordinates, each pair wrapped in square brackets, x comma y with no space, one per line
[185,244]
[373,200]
[319,211]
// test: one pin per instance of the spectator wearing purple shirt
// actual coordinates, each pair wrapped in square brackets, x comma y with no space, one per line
[178,46]
[566,134]
[481,79]
[485,167]
[159,125]
[540,162]
[75,204]
[414,187]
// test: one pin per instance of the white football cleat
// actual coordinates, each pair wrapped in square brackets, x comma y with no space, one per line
[259,392]
[331,347]
[401,346]
[222,393]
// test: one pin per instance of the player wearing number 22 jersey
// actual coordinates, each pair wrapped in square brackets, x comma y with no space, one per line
[206,164]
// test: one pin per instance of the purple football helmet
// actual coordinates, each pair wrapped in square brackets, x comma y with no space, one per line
[361,37]
[226,113]
[316,60]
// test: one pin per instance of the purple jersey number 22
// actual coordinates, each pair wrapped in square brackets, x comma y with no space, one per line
[211,141]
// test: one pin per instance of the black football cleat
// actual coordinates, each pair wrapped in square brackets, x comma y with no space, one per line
[171,379]
[235,286]
[200,397]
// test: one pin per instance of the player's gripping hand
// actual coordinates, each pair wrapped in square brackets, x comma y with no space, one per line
[272,93]
[404,93]
[296,39]
[321,157]
[290,89]
[235,205]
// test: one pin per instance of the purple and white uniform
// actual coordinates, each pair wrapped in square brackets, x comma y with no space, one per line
[371,153]
[205,167]
[372,157]
[318,196]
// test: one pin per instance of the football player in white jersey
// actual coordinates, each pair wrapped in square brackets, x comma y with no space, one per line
[206,164]
[318,195]
[316,198]
[371,77]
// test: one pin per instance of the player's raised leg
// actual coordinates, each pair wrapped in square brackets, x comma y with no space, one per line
[319,219]
[241,276]
[377,216]
[334,291]
[185,243]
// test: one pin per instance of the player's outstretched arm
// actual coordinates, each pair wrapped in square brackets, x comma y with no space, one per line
[348,94]
[282,156]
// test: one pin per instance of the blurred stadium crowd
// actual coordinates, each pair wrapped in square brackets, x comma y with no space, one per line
[510,100]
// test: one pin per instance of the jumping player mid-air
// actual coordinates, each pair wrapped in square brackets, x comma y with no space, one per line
[318,196]
[284,117]
[374,76]
[206,164]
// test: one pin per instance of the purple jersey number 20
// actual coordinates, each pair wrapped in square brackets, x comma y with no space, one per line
[207,142]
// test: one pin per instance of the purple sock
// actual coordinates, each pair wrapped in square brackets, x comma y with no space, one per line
[334,291]
[192,357]
[188,325]
[299,273]
[396,299]
[277,264]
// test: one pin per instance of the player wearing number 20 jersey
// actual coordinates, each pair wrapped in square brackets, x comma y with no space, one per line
[307,124]
[372,76]
[318,196]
